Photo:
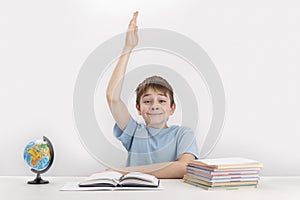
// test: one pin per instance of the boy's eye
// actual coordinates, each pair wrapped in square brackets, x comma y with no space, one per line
[146,101]
[162,101]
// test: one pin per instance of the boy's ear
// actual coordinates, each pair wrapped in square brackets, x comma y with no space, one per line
[138,108]
[173,107]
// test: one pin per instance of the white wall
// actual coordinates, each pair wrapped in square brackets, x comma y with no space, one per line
[254,45]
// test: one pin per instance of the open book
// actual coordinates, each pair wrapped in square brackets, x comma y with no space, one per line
[116,179]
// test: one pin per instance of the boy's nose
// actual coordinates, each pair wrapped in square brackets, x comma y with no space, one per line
[154,107]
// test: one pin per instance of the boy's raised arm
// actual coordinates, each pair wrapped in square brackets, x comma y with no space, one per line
[114,88]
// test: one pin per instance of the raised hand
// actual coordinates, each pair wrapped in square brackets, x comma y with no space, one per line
[113,92]
[131,35]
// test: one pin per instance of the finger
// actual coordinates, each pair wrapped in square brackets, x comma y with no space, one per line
[134,18]
[135,15]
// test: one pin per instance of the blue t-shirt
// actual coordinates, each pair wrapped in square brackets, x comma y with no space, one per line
[146,145]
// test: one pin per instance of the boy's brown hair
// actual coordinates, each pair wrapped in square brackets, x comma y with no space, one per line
[156,83]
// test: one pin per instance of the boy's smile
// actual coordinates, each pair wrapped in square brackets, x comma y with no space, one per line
[155,108]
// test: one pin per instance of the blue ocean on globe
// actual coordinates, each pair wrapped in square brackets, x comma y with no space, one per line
[37,154]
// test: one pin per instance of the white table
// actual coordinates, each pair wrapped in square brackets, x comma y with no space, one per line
[273,188]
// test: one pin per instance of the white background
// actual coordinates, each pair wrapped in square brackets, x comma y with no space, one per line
[255,46]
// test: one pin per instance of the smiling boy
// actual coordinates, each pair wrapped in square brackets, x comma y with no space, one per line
[154,147]
[155,101]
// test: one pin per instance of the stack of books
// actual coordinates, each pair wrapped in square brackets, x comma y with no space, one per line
[223,173]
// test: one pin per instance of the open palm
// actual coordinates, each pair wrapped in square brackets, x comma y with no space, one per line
[131,35]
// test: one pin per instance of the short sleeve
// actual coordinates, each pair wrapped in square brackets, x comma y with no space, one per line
[126,136]
[186,143]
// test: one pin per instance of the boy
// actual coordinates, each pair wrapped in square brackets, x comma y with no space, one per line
[153,147]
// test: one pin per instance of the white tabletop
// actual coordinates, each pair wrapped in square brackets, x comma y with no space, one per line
[16,187]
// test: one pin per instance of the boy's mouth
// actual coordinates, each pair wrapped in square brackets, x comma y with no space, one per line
[155,113]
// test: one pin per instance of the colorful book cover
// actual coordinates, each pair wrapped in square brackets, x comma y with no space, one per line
[206,187]
[227,163]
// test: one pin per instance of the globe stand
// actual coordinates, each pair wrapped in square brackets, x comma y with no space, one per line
[38,180]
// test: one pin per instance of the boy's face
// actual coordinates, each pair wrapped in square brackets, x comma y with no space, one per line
[155,107]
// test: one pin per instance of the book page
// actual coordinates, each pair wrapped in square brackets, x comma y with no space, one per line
[139,179]
[227,161]
[104,175]
[102,179]
[108,179]
[140,176]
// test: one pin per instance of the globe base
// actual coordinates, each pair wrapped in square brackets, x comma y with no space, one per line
[38,180]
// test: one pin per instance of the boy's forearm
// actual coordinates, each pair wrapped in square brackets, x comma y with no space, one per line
[174,169]
[115,84]
[114,88]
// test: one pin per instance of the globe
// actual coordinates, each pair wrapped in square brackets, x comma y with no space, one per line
[39,155]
